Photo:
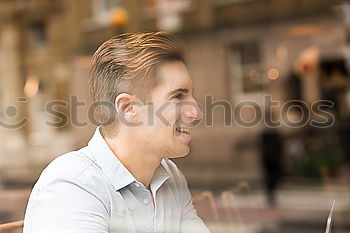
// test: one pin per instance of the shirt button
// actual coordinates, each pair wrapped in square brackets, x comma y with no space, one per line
[146,201]
[137,185]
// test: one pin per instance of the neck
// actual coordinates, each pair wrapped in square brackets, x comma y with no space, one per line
[140,164]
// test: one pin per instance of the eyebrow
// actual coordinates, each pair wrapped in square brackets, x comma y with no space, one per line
[183,90]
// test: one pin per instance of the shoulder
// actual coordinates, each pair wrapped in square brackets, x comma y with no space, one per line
[67,166]
[73,172]
[76,168]
[66,186]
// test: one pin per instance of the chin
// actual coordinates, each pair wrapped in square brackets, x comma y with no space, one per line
[180,152]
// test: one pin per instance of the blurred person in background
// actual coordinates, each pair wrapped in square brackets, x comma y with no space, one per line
[271,158]
[123,180]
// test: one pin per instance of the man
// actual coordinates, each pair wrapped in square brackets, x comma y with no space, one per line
[123,181]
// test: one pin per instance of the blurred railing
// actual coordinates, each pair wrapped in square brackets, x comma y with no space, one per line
[222,212]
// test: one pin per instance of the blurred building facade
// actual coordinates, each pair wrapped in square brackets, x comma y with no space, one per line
[237,50]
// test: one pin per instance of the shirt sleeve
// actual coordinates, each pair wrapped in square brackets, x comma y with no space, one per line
[190,221]
[64,206]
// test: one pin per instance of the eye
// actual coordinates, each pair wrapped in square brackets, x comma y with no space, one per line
[178,96]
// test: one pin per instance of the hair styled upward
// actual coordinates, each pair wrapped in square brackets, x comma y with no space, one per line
[127,64]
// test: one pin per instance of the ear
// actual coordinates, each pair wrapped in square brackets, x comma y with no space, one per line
[125,107]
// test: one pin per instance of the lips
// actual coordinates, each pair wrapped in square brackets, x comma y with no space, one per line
[184,134]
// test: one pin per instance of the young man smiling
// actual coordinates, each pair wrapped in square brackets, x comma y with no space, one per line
[123,181]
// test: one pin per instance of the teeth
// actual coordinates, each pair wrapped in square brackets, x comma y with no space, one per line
[183,130]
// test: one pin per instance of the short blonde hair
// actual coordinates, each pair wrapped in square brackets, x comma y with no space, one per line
[127,63]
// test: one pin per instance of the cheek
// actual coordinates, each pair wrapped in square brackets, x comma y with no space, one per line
[166,116]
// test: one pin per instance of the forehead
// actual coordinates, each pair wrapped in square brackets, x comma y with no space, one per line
[173,75]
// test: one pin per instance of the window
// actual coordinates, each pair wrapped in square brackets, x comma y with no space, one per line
[245,68]
[101,8]
[37,35]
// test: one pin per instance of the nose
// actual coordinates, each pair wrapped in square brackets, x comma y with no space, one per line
[192,111]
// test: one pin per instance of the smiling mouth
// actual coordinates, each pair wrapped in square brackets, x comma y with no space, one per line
[183,130]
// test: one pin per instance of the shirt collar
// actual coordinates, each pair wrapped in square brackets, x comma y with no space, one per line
[161,174]
[116,172]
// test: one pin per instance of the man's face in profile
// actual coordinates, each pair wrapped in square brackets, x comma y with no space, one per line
[166,129]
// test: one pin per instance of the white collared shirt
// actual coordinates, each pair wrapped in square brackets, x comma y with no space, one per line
[90,191]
